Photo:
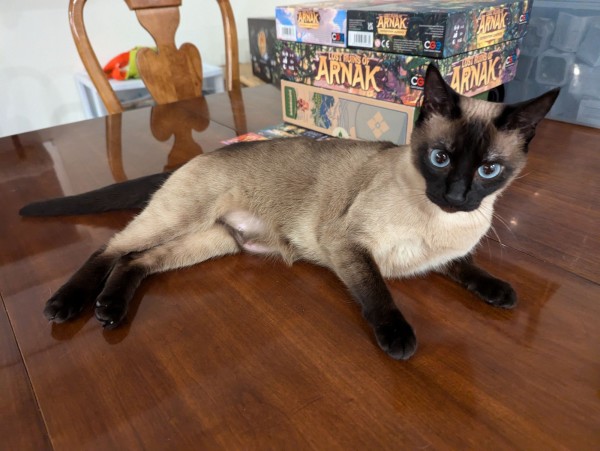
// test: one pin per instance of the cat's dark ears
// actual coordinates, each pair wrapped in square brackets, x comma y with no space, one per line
[438,97]
[525,116]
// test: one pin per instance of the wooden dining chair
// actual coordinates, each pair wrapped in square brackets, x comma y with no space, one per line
[169,73]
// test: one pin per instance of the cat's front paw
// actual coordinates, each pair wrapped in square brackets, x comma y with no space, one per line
[110,311]
[496,292]
[395,336]
[65,304]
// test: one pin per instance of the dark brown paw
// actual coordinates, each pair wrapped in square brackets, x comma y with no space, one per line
[66,304]
[496,292]
[396,337]
[111,312]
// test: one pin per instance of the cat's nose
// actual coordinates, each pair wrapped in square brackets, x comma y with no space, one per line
[455,198]
[456,193]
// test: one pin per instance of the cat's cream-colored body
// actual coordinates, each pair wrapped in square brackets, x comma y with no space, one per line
[303,200]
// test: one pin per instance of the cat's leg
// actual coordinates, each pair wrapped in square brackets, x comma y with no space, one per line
[89,280]
[81,289]
[360,273]
[131,269]
[492,290]
[167,217]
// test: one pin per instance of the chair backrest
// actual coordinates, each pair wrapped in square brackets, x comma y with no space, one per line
[170,74]
[178,120]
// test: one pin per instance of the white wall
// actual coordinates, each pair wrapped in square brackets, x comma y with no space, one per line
[38,57]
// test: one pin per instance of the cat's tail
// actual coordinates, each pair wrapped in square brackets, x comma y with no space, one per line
[131,194]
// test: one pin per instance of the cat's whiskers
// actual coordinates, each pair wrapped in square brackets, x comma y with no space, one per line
[416,195]
[503,222]
[493,229]
[415,190]
[417,200]
[484,211]
[523,175]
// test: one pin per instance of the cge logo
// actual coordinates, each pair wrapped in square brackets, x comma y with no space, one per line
[337,37]
[433,45]
[510,60]
[524,18]
[417,81]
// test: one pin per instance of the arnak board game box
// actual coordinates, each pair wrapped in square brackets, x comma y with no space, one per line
[262,47]
[437,29]
[320,23]
[345,115]
[277,131]
[392,77]
[317,23]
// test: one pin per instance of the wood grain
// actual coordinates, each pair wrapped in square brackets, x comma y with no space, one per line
[553,210]
[247,353]
[21,423]
[89,58]
[232,65]
[169,73]
[143,4]
[260,105]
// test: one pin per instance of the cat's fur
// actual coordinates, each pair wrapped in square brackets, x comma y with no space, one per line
[364,210]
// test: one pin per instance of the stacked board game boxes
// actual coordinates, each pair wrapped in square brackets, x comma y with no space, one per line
[356,68]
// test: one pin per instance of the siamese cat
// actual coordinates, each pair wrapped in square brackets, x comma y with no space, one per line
[366,210]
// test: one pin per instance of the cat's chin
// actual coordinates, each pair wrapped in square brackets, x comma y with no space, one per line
[454,209]
[448,208]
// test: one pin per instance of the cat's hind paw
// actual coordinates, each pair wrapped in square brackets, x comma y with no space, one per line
[64,305]
[110,312]
[396,337]
[497,293]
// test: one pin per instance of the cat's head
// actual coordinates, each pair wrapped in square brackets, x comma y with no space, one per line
[467,149]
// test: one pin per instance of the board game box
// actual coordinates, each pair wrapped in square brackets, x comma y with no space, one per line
[412,27]
[317,23]
[437,29]
[261,33]
[277,131]
[392,77]
[345,115]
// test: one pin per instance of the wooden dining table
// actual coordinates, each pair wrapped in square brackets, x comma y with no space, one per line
[248,353]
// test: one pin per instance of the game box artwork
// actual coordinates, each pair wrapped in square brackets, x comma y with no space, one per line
[345,115]
[317,23]
[412,27]
[393,77]
[275,132]
[437,29]
[262,47]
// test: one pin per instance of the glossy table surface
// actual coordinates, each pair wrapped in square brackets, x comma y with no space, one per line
[247,353]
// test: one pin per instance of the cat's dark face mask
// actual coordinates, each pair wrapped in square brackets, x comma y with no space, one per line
[467,149]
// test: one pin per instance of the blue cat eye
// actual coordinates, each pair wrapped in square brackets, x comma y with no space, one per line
[439,158]
[489,170]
